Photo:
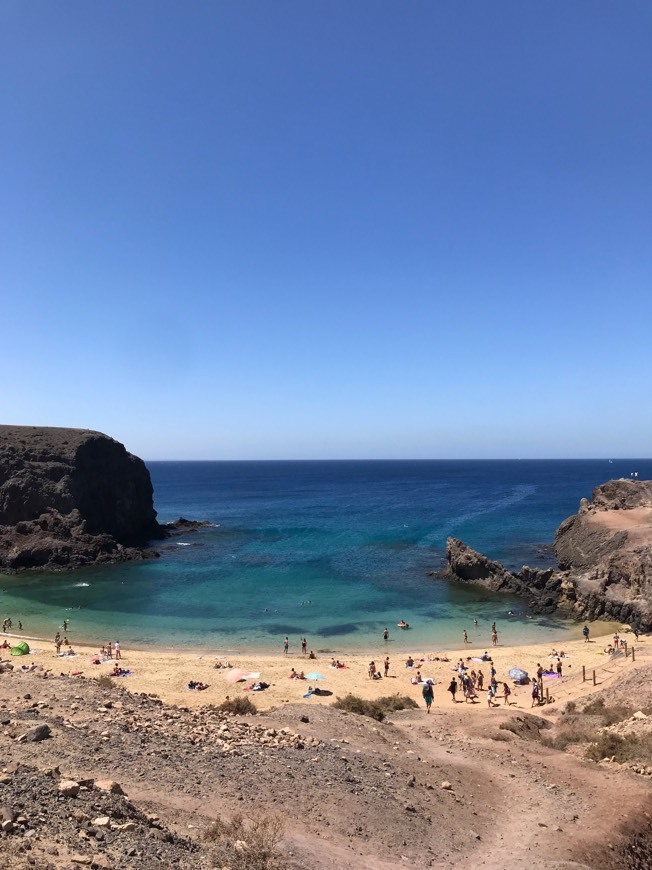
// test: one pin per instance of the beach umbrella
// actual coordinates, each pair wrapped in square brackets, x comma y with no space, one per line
[518,675]
[235,675]
[314,676]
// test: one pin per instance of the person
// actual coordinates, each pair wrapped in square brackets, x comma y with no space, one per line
[466,637]
[57,644]
[559,667]
[293,674]
[286,646]
[453,688]
[475,623]
[616,640]
[585,632]
[535,693]
[635,632]
[428,694]
[65,625]
[386,665]
[480,680]
[301,676]
[20,625]
[493,627]
[386,634]
[304,646]
[506,693]
[372,670]
[494,638]
[116,647]
[409,662]
[312,655]
[490,697]
[109,650]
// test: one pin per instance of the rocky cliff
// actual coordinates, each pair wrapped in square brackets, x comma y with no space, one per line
[71,497]
[604,556]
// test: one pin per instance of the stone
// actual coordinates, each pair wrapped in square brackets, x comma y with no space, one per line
[639,715]
[69,788]
[102,822]
[109,785]
[7,826]
[81,859]
[36,734]
[446,785]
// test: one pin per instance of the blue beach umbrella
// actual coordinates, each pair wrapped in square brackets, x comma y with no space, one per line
[313,676]
[518,675]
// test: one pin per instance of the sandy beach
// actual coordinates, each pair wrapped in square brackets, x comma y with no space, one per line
[166,673]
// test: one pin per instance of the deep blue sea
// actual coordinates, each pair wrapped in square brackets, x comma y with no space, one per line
[332,550]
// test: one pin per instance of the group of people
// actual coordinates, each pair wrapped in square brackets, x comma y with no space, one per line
[8,624]
[304,647]
[196,684]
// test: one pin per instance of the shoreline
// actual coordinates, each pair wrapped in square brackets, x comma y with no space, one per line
[571,632]
[166,673]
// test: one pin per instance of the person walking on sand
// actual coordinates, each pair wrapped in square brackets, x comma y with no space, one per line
[490,697]
[494,638]
[480,680]
[466,637]
[386,666]
[506,693]
[585,632]
[535,693]
[286,646]
[428,693]
[559,668]
[453,688]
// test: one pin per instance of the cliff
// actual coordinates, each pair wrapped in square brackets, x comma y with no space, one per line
[71,497]
[604,556]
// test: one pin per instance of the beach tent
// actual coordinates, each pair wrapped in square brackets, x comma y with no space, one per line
[518,675]
[21,649]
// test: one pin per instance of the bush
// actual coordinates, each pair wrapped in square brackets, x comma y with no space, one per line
[245,844]
[631,747]
[376,709]
[238,707]
[572,730]
[105,682]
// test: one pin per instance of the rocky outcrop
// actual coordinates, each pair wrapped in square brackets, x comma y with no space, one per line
[604,556]
[71,497]
[542,588]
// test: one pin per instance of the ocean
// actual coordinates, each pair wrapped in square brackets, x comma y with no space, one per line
[334,551]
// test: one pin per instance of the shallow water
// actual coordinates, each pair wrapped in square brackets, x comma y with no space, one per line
[334,551]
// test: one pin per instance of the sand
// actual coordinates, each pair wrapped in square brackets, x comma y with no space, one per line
[166,673]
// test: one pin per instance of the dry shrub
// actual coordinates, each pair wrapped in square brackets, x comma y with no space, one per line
[238,707]
[105,681]
[629,747]
[571,730]
[246,844]
[376,709]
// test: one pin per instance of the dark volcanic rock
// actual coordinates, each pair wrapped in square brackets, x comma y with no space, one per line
[604,554]
[541,587]
[71,497]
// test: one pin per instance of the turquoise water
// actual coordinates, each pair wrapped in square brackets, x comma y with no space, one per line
[334,551]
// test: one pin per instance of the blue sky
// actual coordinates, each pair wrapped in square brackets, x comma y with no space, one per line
[329,229]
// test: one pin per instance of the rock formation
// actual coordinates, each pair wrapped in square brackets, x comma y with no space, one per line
[604,554]
[71,497]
